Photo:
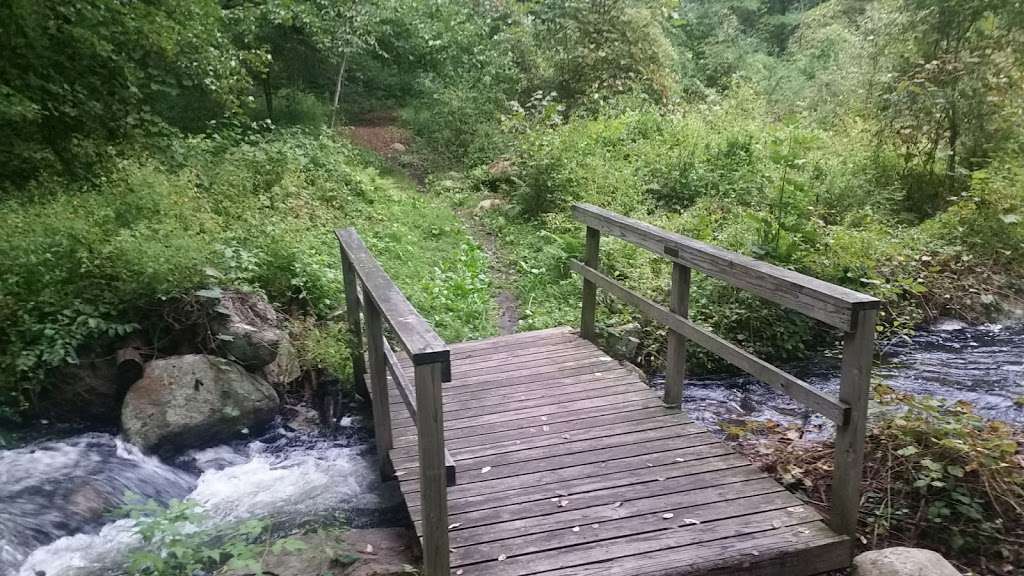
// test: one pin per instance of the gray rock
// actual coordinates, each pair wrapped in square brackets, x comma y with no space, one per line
[285,368]
[902,562]
[193,401]
[247,328]
[89,391]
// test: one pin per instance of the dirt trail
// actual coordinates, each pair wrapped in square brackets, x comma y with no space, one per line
[380,135]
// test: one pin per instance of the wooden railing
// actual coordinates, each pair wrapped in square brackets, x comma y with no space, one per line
[369,289]
[852,312]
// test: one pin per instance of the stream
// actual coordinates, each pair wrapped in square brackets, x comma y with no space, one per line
[56,495]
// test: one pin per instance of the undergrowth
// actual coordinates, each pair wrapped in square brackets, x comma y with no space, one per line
[937,476]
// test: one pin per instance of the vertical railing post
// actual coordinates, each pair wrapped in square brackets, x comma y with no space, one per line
[379,385]
[679,302]
[591,257]
[355,330]
[433,478]
[854,390]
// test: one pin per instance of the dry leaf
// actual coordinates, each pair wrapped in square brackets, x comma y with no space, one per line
[458,572]
[594,525]
[688,521]
[563,503]
[795,509]
[454,526]
[804,530]
[502,558]
[660,479]
[668,515]
[566,436]
[575,528]
[544,418]
[776,524]
[680,459]
[485,469]
[617,504]
[400,473]
[368,549]
[545,427]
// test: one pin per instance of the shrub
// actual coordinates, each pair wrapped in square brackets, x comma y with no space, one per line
[91,262]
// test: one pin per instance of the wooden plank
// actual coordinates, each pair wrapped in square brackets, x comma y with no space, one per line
[522,356]
[540,413]
[510,366]
[434,481]
[578,489]
[679,303]
[462,349]
[548,439]
[542,381]
[533,535]
[673,452]
[543,458]
[516,376]
[827,302]
[457,414]
[600,500]
[623,381]
[355,331]
[537,423]
[375,345]
[415,335]
[854,389]
[524,348]
[677,535]
[591,256]
[735,553]
[780,380]
[403,443]
[569,447]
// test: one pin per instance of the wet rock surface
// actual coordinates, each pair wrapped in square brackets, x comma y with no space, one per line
[195,401]
[902,562]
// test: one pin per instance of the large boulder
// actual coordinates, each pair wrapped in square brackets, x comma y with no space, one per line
[246,328]
[193,401]
[902,562]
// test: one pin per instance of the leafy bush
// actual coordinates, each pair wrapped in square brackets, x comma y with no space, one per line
[937,476]
[90,262]
[177,540]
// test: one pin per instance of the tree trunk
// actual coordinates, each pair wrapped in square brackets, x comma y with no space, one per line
[268,95]
[337,90]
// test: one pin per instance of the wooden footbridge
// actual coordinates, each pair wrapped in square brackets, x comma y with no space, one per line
[538,454]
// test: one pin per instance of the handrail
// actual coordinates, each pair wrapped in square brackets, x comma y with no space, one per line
[369,291]
[827,302]
[415,335]
[852,312]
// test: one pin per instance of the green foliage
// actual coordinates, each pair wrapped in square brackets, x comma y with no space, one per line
[145,61]
[954,481]
[90,262]
[176,540]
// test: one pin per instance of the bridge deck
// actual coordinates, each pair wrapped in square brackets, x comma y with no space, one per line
[569,464]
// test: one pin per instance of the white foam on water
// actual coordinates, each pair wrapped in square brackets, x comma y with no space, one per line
[291,486]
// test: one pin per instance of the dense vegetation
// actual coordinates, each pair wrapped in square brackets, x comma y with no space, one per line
[155,149]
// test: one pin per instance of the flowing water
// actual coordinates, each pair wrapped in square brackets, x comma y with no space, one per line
[983,365]
[55,496]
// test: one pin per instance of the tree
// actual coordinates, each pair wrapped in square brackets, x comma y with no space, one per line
[956,70]
[76,75]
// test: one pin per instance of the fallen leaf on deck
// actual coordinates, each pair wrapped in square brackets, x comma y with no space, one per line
[502,558]
[485,469]
[368,549]
[668,515]
[454,526]
[575,528]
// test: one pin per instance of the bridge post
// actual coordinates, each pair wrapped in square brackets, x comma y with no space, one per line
[355,344]
[379,384]
[679,302]
[591,257]
[433,477]
[854,390]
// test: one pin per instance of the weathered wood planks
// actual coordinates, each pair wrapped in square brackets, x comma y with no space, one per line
[591,473]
